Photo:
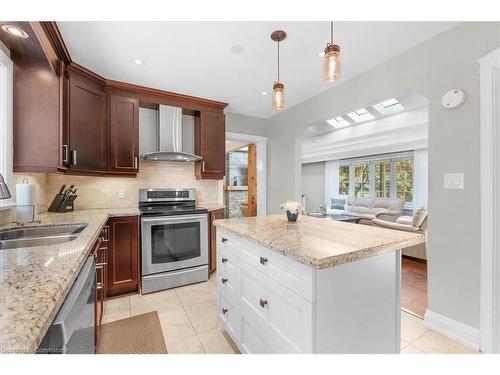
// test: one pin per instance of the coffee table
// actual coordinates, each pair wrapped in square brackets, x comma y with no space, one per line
[345,218]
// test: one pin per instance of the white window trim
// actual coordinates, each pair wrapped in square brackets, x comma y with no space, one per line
[371,161]
[6,126]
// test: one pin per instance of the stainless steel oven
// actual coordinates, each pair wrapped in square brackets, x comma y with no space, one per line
[174,239]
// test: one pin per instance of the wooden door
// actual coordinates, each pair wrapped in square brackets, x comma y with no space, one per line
[214,215]
[88,132]
[210,138]
[124,134]
[252,180]
[123,261]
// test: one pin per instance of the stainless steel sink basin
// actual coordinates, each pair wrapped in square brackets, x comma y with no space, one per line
[39,236]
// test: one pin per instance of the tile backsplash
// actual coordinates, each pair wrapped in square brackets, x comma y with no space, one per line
[119,192]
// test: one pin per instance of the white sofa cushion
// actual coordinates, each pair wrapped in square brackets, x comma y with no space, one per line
[407,220]
[419,217]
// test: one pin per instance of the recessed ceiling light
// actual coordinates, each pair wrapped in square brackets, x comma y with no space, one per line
[237,49]
[138,62]
[264,93]
[14,30]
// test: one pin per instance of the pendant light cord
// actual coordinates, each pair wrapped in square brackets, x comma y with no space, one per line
[331,32]
[278,61]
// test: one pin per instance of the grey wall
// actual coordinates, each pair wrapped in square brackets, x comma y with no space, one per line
[313,184]
[237,123]
[431,68]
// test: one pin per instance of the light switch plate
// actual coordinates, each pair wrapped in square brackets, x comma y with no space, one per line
[454,181]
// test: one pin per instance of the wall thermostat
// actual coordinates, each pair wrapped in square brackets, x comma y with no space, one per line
[453,98]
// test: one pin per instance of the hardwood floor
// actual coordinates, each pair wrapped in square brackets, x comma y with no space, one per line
[414,287]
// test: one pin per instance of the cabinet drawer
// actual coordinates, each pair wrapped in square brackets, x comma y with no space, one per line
[227,284]
[226,261]
[226,244]
[254,339]
[228,315]
[288,272]
[286,317]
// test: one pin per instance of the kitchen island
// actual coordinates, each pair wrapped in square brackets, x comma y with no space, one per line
[313,286]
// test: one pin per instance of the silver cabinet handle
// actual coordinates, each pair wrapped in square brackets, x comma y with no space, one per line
[73,157]
[263,260]
[224,280]
[203,165]
[136,164]
[224,240]
[65,154]
[224,311]
[223,260]
[263,303]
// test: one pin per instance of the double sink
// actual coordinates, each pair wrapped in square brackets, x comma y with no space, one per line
[39,235]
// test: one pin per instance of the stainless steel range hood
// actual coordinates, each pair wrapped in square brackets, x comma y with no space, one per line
[169,138]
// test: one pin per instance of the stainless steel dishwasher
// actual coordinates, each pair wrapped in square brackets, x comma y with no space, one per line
[72,331]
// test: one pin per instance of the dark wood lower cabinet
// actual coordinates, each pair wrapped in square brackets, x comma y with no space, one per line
[100,253]
[123,251]
[212,260]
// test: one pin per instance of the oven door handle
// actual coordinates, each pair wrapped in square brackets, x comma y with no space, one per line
[175,218]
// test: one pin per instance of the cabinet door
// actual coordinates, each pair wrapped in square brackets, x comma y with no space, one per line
[124,134]
[123,250]
[214,215]
[88,132]
[210,144]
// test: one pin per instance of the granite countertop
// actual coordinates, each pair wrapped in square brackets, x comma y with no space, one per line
[318,242]
[35,280]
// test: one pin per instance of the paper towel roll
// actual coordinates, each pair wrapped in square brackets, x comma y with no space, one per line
[25,196]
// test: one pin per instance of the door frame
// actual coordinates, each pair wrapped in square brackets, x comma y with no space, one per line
[261,143]
[490,202]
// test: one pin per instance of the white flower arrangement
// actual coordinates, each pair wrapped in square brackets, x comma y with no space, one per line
[292,206]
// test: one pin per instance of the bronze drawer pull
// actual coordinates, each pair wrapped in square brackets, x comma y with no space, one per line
[224,311]
[263,260]
[223,260]
[224,240]
[224,280]
[263,303]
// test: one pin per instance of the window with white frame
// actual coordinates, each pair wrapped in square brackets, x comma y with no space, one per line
[383,176]
[6,143]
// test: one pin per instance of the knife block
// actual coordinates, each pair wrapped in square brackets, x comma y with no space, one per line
[61,204]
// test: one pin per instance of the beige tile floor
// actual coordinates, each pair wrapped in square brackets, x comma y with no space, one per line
[189,324]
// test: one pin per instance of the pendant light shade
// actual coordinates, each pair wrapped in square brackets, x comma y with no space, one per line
[331,60]
[278,97]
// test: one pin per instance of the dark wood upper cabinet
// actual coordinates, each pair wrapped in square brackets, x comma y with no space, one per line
[123,251]
[69,119]
[210,144]
[87,127]
[124,134]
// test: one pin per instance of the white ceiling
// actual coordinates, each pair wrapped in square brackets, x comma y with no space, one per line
[194,58]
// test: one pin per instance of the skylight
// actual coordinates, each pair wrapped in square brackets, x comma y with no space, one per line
[338,122]
[361,115]
[389,107]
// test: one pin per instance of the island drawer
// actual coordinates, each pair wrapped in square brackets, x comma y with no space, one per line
[229,316]
[254,339]
[288,272]
[226,282]
[286,317]
[226,258]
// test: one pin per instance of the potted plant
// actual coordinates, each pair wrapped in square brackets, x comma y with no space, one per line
[292,210]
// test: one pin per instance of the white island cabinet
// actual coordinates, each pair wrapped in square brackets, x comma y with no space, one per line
[315,286]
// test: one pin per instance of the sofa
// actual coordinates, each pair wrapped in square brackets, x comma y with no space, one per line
[369,208]
[416,223]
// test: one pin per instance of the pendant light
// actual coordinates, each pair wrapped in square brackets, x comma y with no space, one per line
[278,87]
[331,59]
